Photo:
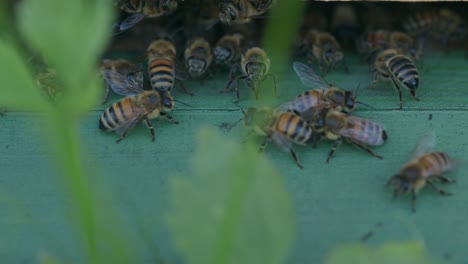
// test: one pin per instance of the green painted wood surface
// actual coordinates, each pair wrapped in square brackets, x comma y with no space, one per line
[335,203]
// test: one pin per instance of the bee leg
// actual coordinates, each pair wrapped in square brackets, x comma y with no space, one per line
[168,117]
[264,143]
[182,85]
[293,154]
[399,93]
[440,191]
[106,94]
[413,94]
[150,126]
[374,82]
[366,149]
[231,78]
[413,200]
[122,136]
[237,89]
[443,179]
[333,149]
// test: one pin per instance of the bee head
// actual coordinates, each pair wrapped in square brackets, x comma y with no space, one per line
[167,101]
[400,184]
[222,54]
[227,13]
[350,101]
[196,66]
[255,71]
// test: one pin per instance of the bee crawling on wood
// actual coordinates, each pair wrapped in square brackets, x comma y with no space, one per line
[324,95]
[401,70]
[283,129]
[162,67]
[198,57]
[340,127]
[139,105]
[255,66]
[424,168]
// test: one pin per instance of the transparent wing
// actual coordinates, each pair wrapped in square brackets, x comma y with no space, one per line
[282,142]
[308,77]
[120,84]
[303,103]
[129,124]
[364,131]
[425,144]
[127,23]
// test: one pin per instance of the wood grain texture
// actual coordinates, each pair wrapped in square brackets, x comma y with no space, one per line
[335,203]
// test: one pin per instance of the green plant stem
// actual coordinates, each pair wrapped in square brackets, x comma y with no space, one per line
[228,229]
[68,151]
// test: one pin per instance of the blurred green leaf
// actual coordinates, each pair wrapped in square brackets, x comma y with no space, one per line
[234,210]
[18,89]
[48,259]
[69,34]
[412,252]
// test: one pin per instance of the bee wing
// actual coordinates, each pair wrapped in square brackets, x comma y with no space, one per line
[120,84]
[127,23]
[363,131]
[425,144]
[308,77]
[301,104]
[282,142]
[131,122]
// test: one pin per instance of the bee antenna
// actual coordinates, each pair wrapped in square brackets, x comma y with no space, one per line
[357,89]
[366,105]
[175,100]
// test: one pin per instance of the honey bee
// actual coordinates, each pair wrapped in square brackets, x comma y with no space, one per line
[241,11]
[391,65]
[161,55]
[198,57]
[123,115]
[121,75]
[373,42]
[323,48]
[228,49]
[324,96]
[424,167]
[283,129]
[444,25]
[255,66]
[338,126]
[141,9]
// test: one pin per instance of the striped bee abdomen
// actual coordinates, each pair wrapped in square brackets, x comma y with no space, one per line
[405,71]
[117,114]
[435,163]
[294,128]
[161,73]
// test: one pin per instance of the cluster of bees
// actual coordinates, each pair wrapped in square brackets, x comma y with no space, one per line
[322,113]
